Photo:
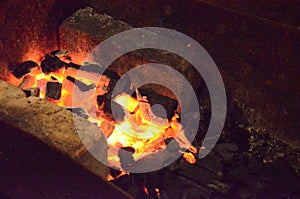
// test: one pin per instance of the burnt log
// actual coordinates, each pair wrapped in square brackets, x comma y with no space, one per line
[52,125]
[53,90]
[23,69]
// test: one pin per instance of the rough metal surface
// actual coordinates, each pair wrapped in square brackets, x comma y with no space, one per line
[51,124]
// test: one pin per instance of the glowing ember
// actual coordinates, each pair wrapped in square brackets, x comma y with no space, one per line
[157,191]
[146,190]
[141,129]
[110,177]
[189,157]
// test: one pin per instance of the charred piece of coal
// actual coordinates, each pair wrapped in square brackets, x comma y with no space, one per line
[98,69]
[34,92]
[51,64]
[72,65]
[24,68]
[53,90]
[82,86]
[106,103]
[153,97]
[114,173]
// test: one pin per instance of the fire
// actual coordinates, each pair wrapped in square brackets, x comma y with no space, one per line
[110,177]
[136,132]
[140,129]
[157,191]
[189,157]
[146,190]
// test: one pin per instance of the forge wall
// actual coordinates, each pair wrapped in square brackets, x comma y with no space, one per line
[257,55]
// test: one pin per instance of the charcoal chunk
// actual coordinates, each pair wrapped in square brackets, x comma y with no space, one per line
[91,67]
[12,66]
[23,69]
[59,53]
[82,86]
[96,68]
[72,65]
[111,74]
[118,110]
[124,85]
[53,90]
[101,99]
[35,92]
[51,64]
[153,98]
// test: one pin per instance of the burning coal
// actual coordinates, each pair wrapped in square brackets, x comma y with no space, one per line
[136,125]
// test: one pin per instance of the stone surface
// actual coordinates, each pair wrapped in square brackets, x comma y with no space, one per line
[84,29]
[81,32]
[50,123]
[31,169]
[255,45]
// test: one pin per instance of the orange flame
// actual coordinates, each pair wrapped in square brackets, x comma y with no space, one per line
[140,130]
